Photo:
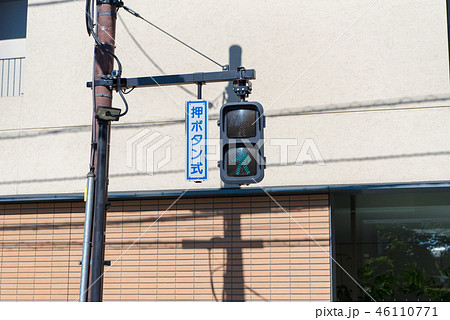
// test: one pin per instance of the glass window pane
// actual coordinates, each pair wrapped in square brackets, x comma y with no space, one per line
[13,19]
[397,246]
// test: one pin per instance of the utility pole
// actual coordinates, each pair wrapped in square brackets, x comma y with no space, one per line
[103,69]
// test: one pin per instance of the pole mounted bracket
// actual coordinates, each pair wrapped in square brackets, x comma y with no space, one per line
[108,114]
[111,83]
[108,80]
[242,86]
[105,263]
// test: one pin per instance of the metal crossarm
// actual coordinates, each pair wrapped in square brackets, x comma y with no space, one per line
[180,79]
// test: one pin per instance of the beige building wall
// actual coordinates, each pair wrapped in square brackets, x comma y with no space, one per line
[366,80]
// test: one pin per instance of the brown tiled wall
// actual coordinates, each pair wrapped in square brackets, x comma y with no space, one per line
[203,249]
[39,252]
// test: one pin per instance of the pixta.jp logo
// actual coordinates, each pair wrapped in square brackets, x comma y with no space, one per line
[142,149]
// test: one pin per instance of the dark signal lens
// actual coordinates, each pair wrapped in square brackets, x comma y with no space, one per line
[241,123]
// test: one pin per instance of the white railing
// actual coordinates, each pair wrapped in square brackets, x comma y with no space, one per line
[11,77]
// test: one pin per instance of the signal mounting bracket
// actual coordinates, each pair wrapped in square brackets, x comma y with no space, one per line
[242,86]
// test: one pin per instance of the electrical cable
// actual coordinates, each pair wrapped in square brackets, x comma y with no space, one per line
[94,123]
[127,92]
[134,13]
[90,30]
[88,16]
[90,26]
[119,72]
[211,275]
[90,8]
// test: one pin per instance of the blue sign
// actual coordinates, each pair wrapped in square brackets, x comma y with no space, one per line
[196,140]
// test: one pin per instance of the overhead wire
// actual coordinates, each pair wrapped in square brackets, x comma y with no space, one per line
[88,16]
[90,29]
[134,13]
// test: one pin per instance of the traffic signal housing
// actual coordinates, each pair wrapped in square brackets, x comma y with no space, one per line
[242,158]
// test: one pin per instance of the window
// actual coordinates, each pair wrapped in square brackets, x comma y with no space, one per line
[13,27]
[397,246]
[13,19]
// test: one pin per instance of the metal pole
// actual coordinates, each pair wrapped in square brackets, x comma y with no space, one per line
[87,238]
[199,90]
[104,64]
[448,28]
[98,249]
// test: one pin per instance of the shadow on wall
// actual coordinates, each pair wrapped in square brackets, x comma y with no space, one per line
[233,278]
[231,243]
[159,173]
[305,110]
[235,61]
[50,3]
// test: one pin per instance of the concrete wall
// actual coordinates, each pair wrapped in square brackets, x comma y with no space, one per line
[367,83]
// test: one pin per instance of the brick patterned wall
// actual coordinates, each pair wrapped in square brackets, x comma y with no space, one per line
[200,249]
[40,245]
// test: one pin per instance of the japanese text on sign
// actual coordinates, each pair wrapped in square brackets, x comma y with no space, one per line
[196,135]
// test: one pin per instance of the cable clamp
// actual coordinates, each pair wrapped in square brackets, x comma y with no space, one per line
[106,262]
[134,13]
[103,95]
[107,13]
[104,83]
[106,44]
[108,82]
[117,3]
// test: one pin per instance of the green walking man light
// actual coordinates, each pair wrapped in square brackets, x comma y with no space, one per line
[242,160]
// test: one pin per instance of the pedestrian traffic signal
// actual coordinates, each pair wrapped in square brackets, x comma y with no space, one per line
[242,158]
